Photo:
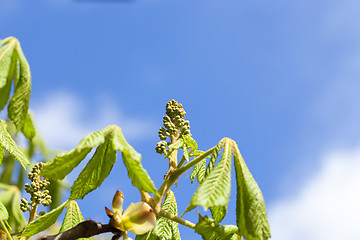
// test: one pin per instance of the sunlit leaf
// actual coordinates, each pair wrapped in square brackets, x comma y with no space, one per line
[8,144]
[218,213]
[95,172]
[45,221]
[1,155]
[19,102]
[4,215]
[63,163]
[28,129]
[175,146]
[190,142]
[72,218]
[211,230]
[198,172]
[215,189]
[250,206]
[8,63]
[132,162]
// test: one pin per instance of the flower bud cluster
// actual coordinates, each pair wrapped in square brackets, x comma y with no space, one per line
[174,124]
[37,189]
[161,147]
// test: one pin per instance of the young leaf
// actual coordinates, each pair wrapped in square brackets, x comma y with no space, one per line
[45,221]
[94,139]
[7,143]
[63,163]
[19,103]
[8,63]
[211,230]
[198,172]
[1,155]
[132,162]
[138,174]
[28,129]
[166,229]
[72,218]
[6,53]
[250,206]
[4,215]
[213,158]
[215,189]
[175,146]
[218,213]
[190,142]
[95,172]
[186,153]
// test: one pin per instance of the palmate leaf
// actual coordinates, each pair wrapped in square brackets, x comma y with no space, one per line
[45,221]
[211,230]
[95,172]
[8,144]
[109,140]
[250,206]
[215,189]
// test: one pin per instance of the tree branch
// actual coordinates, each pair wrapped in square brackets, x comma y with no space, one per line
[84,229]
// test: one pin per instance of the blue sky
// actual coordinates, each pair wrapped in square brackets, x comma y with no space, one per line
[278,77]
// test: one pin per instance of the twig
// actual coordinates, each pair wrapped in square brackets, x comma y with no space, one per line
[84,229]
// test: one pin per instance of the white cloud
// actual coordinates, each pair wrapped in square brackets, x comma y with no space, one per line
[63,120]
[326,206]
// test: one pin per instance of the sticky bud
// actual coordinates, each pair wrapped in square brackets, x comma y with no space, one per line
[138,218]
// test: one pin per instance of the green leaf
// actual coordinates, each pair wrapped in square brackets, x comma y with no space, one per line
[215,189]
[4,215]
[132,162]
[45,221]
[94,139]
[165,228]
[213,158]
[138,174]
[11,199]
[250,206]
[63,163]
[211,230]
[95,172]
[6,57]
[175,146]
[186,153]
[28,129]
[198,172]
[218,213]
[7,143]
[7,71]
[19,102]
[190,142]
[1,155]
[72,218]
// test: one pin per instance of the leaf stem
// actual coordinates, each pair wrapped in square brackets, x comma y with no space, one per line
[6,230]
[165,214]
